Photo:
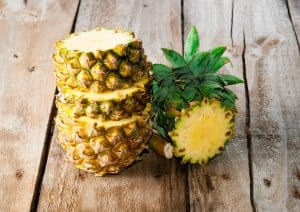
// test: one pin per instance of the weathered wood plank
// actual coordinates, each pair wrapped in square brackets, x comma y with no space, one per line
[224,184]
[153,184]
[272,66]
[27,84]
[294,13]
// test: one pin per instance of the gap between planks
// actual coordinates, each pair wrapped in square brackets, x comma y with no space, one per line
[186,169]
[47,141]
[248,121]
[292,23]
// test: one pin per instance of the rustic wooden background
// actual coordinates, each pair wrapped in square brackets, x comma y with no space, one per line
[260,170]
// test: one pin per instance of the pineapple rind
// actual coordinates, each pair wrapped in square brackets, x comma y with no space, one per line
[131,140]
[119,67]
[202,131]
[114,110]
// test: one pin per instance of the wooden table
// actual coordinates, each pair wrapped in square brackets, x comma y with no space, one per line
[260,169]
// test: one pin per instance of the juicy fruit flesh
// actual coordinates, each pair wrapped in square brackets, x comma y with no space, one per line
[97,40]
[202,132]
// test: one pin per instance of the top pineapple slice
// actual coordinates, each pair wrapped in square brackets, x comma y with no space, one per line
[101,60]
[104,109]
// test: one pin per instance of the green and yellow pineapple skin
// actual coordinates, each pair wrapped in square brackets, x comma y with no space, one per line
[104,109]
[100,71]
[103,150]
[202,130]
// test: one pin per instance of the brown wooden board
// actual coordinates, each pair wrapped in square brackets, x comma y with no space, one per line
[273,75]
[153,184]
[224,184]
[28,30]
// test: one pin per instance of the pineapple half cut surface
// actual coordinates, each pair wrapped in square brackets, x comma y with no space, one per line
[104,109]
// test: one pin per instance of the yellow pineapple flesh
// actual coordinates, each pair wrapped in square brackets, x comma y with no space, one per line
[202,131]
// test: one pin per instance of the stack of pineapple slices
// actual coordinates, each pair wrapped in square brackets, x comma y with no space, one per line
[104,103]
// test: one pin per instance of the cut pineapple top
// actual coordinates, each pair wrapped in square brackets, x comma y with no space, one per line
[98,39]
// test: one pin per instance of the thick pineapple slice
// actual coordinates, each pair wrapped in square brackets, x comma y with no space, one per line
[202,131]
[106,147]
[106,110]
[115,61]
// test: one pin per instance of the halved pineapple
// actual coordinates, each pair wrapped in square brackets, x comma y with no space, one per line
[193,108]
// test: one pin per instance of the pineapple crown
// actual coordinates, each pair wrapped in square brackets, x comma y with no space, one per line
[190,77]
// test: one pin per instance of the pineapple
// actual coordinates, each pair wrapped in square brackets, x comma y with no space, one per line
[192,106]
[104,99]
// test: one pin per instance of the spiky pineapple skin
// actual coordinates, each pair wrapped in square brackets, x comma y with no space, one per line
[202,131]
[103,150]
[101,71]
[96,88]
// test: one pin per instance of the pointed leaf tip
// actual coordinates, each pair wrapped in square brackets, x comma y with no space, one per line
[192,44]
[174,58]
[218,52]
[230,79]
[220,63]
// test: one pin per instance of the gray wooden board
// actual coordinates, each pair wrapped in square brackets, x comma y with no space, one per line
[273,74]
[27,84]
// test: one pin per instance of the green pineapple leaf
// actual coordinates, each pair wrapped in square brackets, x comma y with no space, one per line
[220,62]
[160,72]
[218,52]
[158,123]
[175,97]
[232,94]
[210,85]
[175,59]
[228,104]
[189,93]
[228,96]
[192,44]
[230,79]
[199,62]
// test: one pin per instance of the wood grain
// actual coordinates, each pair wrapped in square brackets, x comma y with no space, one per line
[224,184]
[294,13]
[28,30]
[154,184]
[272,66]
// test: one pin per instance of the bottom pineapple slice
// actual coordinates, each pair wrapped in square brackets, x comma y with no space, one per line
[104,149]
[202,131]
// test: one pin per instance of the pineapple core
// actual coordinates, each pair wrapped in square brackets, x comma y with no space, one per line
[203,132]
[97,40]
